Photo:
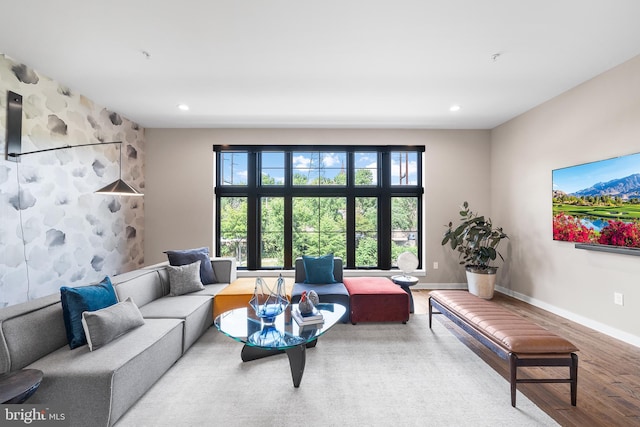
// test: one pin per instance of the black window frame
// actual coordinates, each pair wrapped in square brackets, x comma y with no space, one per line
[383,191]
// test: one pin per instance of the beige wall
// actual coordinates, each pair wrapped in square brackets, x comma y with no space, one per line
[179,181]
[597,120]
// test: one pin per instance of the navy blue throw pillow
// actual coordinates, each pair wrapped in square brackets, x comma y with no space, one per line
[189,256]
[318,270]
[84,298]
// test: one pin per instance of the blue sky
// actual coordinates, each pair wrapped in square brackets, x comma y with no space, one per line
[575,178]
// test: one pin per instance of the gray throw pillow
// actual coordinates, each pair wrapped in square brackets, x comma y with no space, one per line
[184,279]
[105,325]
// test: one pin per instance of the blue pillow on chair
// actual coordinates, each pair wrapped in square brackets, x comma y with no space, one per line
[75,301]
[189,256]
[318,270]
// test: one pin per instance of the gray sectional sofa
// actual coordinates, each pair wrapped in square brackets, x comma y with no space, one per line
[95,388]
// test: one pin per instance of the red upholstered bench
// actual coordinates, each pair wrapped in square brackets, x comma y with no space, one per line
[376,299]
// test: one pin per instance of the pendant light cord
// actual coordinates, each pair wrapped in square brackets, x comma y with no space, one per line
[24,243]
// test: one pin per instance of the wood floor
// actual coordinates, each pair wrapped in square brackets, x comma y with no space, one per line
[608,370]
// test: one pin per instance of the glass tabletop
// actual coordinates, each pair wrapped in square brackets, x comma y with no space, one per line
[243,325]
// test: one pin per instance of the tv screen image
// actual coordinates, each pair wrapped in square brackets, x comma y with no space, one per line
[598,202]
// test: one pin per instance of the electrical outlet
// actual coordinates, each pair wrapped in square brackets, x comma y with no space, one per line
[435,265]
[618,298]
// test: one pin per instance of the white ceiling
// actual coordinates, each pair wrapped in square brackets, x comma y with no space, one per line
[329,63]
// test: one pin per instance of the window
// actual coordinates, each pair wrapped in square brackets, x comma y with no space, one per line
[366,168]
[319,226]
[366,231]
[404,168]
[272,231]
[274,204]
[404,226]
[272,169]
[319,168]
[234,171]
[233,229]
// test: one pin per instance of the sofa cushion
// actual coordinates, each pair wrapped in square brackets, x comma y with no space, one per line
[104,325]
[319,270]
[84,298]
[182,257]
[195,311]
[184,279]
[143,286]
[210,290]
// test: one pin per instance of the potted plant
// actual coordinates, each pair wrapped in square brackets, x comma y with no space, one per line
[476,240]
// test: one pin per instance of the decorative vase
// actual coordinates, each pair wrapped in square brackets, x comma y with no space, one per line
[482,283]
[269,303]
[268,336]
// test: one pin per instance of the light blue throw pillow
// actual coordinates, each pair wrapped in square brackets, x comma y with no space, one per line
[318,270]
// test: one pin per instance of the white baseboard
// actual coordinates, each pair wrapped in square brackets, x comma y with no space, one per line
[590,323]
[440,286]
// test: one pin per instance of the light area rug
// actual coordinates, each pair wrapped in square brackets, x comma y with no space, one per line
[369,374]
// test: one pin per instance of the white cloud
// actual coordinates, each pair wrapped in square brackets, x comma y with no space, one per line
[330,160]
[301,162]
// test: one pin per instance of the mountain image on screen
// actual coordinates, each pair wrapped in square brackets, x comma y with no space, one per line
[627,188]
[598,203]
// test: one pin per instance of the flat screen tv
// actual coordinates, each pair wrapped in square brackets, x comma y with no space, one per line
[598,203]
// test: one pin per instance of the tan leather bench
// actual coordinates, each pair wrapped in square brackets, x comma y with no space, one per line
[510,336]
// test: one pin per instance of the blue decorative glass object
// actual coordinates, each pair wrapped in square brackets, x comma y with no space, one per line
[269,336]
[269,303]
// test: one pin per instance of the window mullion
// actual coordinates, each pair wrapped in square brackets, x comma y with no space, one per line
[384,212]
[288,232]
[253,217]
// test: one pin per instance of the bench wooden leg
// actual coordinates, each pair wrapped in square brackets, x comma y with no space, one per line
[513,376]
[574,378]
[515,362]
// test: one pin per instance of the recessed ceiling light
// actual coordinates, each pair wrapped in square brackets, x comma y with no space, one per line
[183,107]
[454,107]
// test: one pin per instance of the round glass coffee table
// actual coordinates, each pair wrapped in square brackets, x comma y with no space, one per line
[283,335]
